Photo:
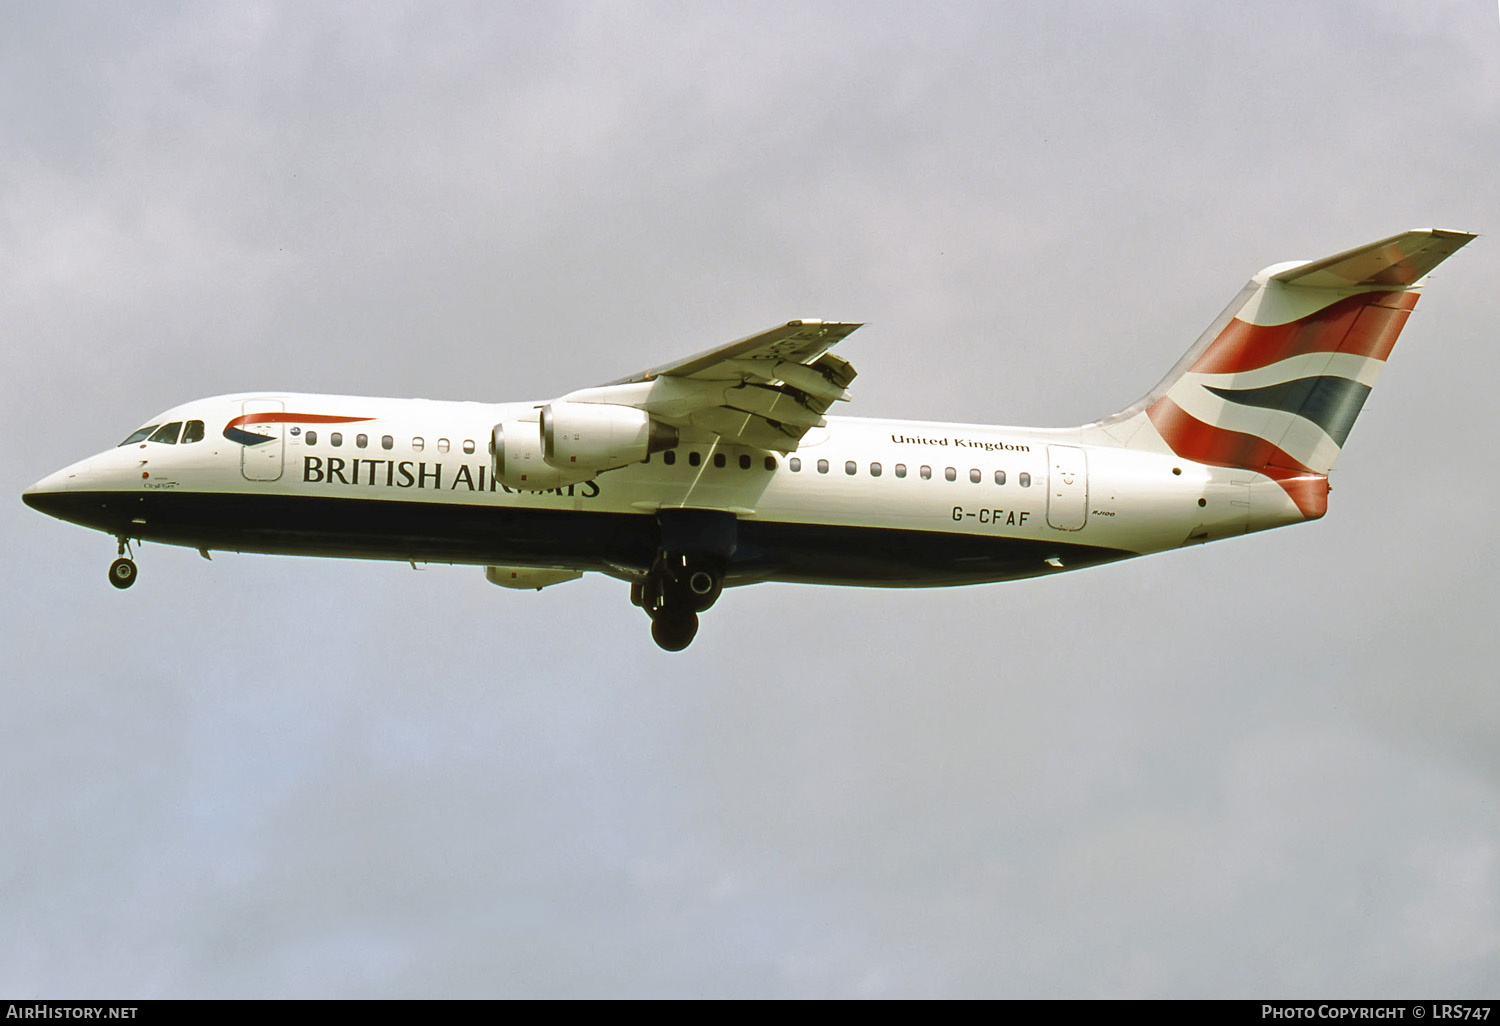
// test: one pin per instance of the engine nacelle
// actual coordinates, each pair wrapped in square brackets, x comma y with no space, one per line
[517,460]
[521,577]
[600,436]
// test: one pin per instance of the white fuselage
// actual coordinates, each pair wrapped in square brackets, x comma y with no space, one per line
[861,501]
[724,468]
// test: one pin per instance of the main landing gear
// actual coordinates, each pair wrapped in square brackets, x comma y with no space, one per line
[122,570]
[673,593]
[687,575]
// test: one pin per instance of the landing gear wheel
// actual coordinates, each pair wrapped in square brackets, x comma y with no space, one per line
[122,573]
[674,631]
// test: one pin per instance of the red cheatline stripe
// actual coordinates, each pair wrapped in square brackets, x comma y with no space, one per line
[293,418]
[1365,325]
[1192,439]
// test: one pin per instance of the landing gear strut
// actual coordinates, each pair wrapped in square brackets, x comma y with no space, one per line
[687,575]
[122,570]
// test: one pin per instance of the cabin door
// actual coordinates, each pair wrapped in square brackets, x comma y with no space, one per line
[261,461]
[1067,487]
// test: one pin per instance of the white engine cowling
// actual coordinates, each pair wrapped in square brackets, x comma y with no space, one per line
[517,457]
[523,577]
[600,436]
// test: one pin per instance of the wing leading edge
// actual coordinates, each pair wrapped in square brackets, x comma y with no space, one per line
[765,391]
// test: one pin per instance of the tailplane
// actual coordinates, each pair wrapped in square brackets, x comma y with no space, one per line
[1276,382]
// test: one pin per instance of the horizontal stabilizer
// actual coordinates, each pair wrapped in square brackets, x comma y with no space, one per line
[1397,262]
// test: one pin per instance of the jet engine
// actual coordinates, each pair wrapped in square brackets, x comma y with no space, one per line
[601,436]
[517,453]
[574,442]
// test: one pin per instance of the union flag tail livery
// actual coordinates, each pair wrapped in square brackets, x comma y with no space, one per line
[1275,384]
[726,468]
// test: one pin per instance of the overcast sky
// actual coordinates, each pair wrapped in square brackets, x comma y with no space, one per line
[1265,767]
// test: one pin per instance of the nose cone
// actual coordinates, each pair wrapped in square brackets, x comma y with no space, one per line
[44,495]
[56,494]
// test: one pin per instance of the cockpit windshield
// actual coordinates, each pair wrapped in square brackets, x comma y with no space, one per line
[192,431]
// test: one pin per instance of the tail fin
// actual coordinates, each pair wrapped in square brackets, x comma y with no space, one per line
[1276,382]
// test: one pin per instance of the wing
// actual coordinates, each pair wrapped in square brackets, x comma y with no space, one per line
[763,391]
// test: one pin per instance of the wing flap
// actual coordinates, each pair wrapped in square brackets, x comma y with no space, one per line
[747,429]
[764,391]
[774,405]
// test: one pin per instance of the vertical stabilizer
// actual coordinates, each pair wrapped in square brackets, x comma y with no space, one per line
[1275,384]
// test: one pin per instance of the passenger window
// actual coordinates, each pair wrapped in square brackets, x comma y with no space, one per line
[669,457]
[138,436]
[694,459]
[1024,480]
[361,441]
[469,445]
[770,462]
[974,476]
[851,468]
[950,474]
[442,445]
[387,442]
[192,431]
[795,464]
[874,469]
[167,433]
[311,437]
[926,473]
[336,439]
[719,460]
[417,445]
[901,470]
[744,461]
[822,466]
[999,477]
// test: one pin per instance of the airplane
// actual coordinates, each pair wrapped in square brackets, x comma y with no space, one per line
[724,469]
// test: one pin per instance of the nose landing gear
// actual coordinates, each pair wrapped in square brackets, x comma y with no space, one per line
[122,570]
[122,573]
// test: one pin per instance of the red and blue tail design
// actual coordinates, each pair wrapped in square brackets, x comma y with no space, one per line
[1276,383]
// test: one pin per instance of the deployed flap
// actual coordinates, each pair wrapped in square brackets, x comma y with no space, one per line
[1399,261]
[764,391]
